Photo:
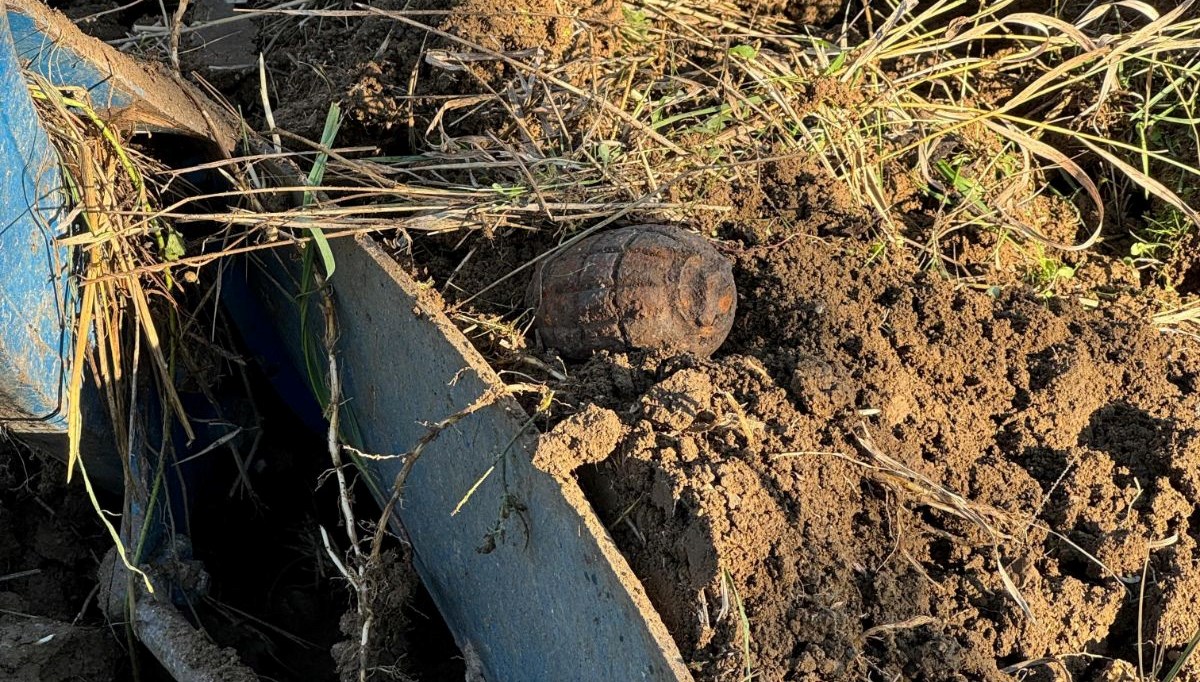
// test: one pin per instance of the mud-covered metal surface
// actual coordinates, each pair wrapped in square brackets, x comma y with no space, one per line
[32,268]
[142,95]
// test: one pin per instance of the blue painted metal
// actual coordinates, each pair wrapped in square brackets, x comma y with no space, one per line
[34,291]
[267,329]
[552,599]
[46,55]
[157,100]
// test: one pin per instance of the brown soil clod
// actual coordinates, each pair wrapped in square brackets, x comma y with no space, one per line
[587,437]
[679,400]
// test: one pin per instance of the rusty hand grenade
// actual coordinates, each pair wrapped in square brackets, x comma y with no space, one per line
[645,287]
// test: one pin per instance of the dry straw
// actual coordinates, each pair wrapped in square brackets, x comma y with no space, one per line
[114,315]
[1098,108]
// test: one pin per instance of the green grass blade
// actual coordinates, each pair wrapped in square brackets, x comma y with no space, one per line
[1184,656]
[317,175]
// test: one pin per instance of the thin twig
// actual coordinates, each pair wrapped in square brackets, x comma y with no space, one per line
[176,28]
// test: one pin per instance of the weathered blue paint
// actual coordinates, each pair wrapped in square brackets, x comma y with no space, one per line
[36,290]
[33,269]
[46,55]
[267,332]
[553,599]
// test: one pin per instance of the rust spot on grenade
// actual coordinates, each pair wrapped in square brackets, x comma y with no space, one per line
[646,287]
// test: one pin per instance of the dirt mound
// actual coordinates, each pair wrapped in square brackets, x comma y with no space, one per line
[1073,433]
[881,474]
[547,30]
[394,79]
[362,63]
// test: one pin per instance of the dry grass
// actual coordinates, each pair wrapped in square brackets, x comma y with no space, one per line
[115,321]
[932,121]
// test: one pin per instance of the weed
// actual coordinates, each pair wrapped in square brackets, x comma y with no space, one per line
[696,98]
[1160,241]
[1047,273]
[105,187]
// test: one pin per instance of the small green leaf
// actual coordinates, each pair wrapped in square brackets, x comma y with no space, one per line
[1064,272]
[608,151]
[173,247]
[747,52]
[508,192]
[876,250]
[637,23]
[836,65]
[1142,249]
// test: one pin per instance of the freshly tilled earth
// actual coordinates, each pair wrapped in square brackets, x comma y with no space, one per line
[1073,434]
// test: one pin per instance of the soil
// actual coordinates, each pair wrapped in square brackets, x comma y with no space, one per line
[50,548]
[886,472]
[390,96]
[586,437]
[1076,430]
